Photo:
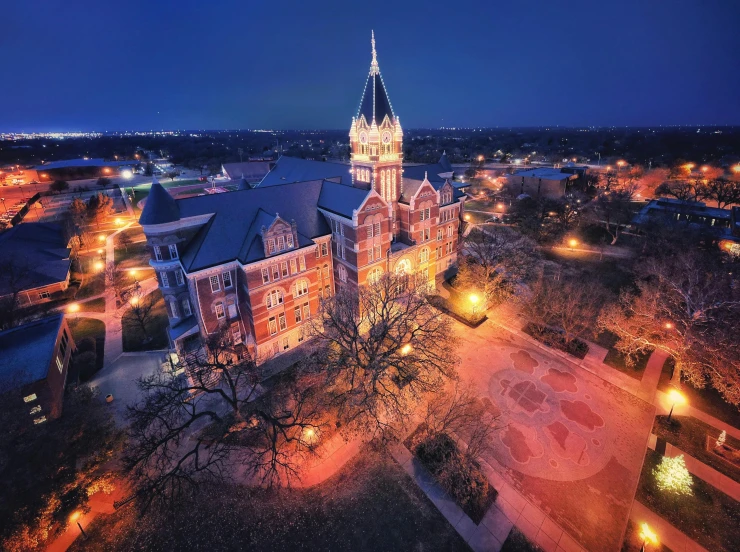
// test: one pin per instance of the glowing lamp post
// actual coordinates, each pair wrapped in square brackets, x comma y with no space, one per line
[676,398]
[572,243]
[74,307]
[647,535]
[75,518]
[406,349]
[101,238]
[474,299]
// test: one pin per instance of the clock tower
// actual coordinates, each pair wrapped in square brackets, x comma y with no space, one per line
[376,140]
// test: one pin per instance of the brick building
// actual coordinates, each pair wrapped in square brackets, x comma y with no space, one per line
[259,260]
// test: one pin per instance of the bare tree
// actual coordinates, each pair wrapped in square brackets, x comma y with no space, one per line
[380,349]
[124,239]
[613,210]
[724,192]
[141,313]
[219,418]
[116,280]
[679,189]
[497,261]
[688,305]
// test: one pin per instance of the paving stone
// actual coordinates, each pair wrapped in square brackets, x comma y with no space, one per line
[545,542]
[551,529]
[533,514]
[483,541]
[506,507]
[512,497]
[569,544]
[528,528]
[452,512]
[466,528]
[497,523]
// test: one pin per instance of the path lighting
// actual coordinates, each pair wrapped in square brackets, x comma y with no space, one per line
[621,163]
[310,436]
[74,307]
[118,222]
[500,206]
[100,251]
[572,243]
[98,265]
[75,518]
[647,535]
[736,168]
[134,301]
[101,238]
[689,166]
[668,325]
[406,349]
[467,217]
[474,299]
[676,398]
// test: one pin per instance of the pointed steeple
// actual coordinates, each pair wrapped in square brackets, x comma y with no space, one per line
[375,104]
[374,69]
[160,206]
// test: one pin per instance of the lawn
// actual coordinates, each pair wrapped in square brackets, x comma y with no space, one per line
[370,504]
[93,305]
[137,254]
[480,205]
[708,516]
[707,400]
[618,360]
[89,327]
[689,434]
[92,284]
[133,337]
[614,274]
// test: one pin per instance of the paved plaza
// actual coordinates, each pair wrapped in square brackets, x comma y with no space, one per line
[572,443]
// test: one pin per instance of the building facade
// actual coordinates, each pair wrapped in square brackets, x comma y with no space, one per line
[256,262]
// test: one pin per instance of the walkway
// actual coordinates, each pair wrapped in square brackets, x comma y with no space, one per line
[668,534]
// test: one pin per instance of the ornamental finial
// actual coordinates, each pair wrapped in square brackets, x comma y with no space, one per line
[374,69]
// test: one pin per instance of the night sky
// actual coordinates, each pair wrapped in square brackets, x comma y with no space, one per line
[187,64]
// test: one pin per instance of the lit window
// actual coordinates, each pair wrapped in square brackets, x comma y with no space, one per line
[220,312]
[282,322]
[284,267]
[165,279]
[236,334]
[275,272]
[30,398]
[326,271]
[179,277]
[289,238]
[342,251]
[157,253]
[274,298]
[270,246]
[374,275]
[377,252]
[281,243]
[301,288]
[173,251]
[424,255]
[227,279]
[306,311]
[186,307]
[265,275]
[293,266]
[324,250]
[342,273]
[35,410]
[440,233]
[60,364]
[302,263]
[215,284]
[285,344]
[297,312]
[370,254]
[272,325]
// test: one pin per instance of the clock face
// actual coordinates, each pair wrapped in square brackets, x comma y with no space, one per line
[387,137]
[363,137]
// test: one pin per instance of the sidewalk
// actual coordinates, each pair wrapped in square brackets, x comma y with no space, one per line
[706,473]
[667,533]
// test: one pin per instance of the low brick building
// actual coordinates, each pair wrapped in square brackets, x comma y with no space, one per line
[34,362]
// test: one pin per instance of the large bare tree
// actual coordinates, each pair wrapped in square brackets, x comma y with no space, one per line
[219,418]
[687,304]
[380,348]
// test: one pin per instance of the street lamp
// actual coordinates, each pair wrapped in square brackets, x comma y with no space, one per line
[101,238]
[406,349]
[668,325]
[474,301]
[647,535]
[75,518]
[572,243]
[676,398]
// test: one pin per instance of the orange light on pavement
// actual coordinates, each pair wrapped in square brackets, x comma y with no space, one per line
[74,307]
[100,251]
[500,206]
[132,272]
[134,301]
[118,222]
[101,238]
[474,298]
[99,265]
[467,217]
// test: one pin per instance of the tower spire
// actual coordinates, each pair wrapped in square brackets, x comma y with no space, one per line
[374,69]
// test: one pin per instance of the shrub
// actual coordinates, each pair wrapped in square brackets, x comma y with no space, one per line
[86,344]
[86,365]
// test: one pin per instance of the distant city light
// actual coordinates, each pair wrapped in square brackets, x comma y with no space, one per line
[127,174]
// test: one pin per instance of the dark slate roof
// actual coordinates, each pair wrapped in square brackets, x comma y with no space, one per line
[233,231]
[375,104]
[432,171]
[293,169]
[99,162]
[160,207]
[242,184]
[341,199]
[40,250]
[27,350]
[253,171]
[445,163]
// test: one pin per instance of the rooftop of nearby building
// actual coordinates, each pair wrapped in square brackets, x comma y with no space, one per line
[545,173]
[97,162]
[673,205]
[38,250]
[27,351]
[293,169]
[251,171]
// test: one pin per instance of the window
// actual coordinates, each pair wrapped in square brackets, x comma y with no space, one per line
[180,280]
[324,250]
[270,246]
[293,266]
[377,228]
[35,410]
[302,262]
[173,308]
[285,344]
[439,252]
[274,298]
[284,268]
[298,318]
[374,275]
[60,364]
[265,275]
[440,233]
[281,243]
[275,272]
[449,231]
[326,271]
[289,239]
[300,338]
[173,251]
[377,252]
[272,325]
[342,273]
[341,250]
[227,279]
[166,279]
[306,311]
[276,348]
[30,398]
[341,228]
[215,284]
[157,253]
[370,231]
[40,420]
[63,343]
[220,312]
[370,254]
[301,288]
[327,291]
[186,307]
[44,295]
[421,214]
[318,252]
[236,334]
[282,322]
[424,255]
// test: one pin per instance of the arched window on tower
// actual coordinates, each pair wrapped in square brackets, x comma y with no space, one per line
[382,184]
[342,273]
[394,188]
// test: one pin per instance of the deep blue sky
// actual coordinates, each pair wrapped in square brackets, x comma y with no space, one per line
[153,64]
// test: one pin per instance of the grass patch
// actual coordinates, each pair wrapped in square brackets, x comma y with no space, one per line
[370,504]
[137,254]
[708,516]
[480,205]
[455,311]
[93,305]
[707,400]
[92,284]
[553,338]
[517,542]
[616,359]
[614,274]
[690,435]
[89,327]
[133,336]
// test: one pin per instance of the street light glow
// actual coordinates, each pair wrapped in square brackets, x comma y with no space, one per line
[668,325]
[127,174]
[474,298]
[101,238]
[406,349]
[74,516]
[74,307]
[98,265]
[647,535]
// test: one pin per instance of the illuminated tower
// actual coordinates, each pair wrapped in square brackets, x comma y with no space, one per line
[376,139]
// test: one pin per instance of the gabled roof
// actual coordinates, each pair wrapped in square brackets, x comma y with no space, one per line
[293,169]
[27,351]
[40,250]
[160,206]
[341,199]
[233,231]
[252,171]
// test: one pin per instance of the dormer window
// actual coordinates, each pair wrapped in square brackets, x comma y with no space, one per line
[289,239]
[281,243]
[215,284]
[270,246]
[173,251]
